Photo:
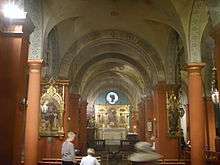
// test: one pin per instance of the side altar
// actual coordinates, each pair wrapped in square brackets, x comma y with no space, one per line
[112,133]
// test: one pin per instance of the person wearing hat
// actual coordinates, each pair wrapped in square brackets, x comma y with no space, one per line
[89,159]
[68,152]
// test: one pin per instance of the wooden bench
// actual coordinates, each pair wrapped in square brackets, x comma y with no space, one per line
[58,161]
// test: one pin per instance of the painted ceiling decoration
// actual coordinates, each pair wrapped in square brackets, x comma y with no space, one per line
[119,44]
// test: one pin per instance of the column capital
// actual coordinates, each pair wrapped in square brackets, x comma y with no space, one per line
[195,67]
[35,64]
[35,61]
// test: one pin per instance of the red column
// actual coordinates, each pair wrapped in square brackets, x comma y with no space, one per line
[82,127]
[32,115]
[141,121]
[197,127]
[74,114]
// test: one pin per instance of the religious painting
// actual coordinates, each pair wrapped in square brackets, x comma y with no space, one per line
[173,114]
[112,116]
[51,115]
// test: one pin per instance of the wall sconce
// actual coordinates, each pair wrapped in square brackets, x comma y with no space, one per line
[154,128]
[135,129]
[69,123]
[23,103]
[214,87]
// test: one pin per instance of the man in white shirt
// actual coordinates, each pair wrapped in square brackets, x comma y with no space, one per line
[89,159]
[68,152]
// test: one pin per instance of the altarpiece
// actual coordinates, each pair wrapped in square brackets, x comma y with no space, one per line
[52,108]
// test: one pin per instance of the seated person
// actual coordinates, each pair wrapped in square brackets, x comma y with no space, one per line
[89,159]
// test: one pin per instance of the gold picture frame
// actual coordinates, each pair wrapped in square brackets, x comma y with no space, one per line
[51,111]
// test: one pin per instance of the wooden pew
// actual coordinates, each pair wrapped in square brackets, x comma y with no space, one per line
[57,161]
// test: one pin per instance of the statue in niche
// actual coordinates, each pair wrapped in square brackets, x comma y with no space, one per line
[122,122]
[112,118]
[98,120]
[102,120]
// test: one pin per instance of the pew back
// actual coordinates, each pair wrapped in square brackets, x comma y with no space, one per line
[50,161]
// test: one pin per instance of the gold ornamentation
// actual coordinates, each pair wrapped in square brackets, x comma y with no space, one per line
[173,114]
[112,116]
[52,108]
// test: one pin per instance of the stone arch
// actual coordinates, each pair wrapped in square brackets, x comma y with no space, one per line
[112,36]
[78,79]
[207,56]
[171,19]
[197,24]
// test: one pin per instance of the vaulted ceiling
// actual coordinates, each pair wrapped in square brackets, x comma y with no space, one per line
[128,45]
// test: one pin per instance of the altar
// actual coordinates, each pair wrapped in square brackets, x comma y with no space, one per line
[112,136]
[112,122]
